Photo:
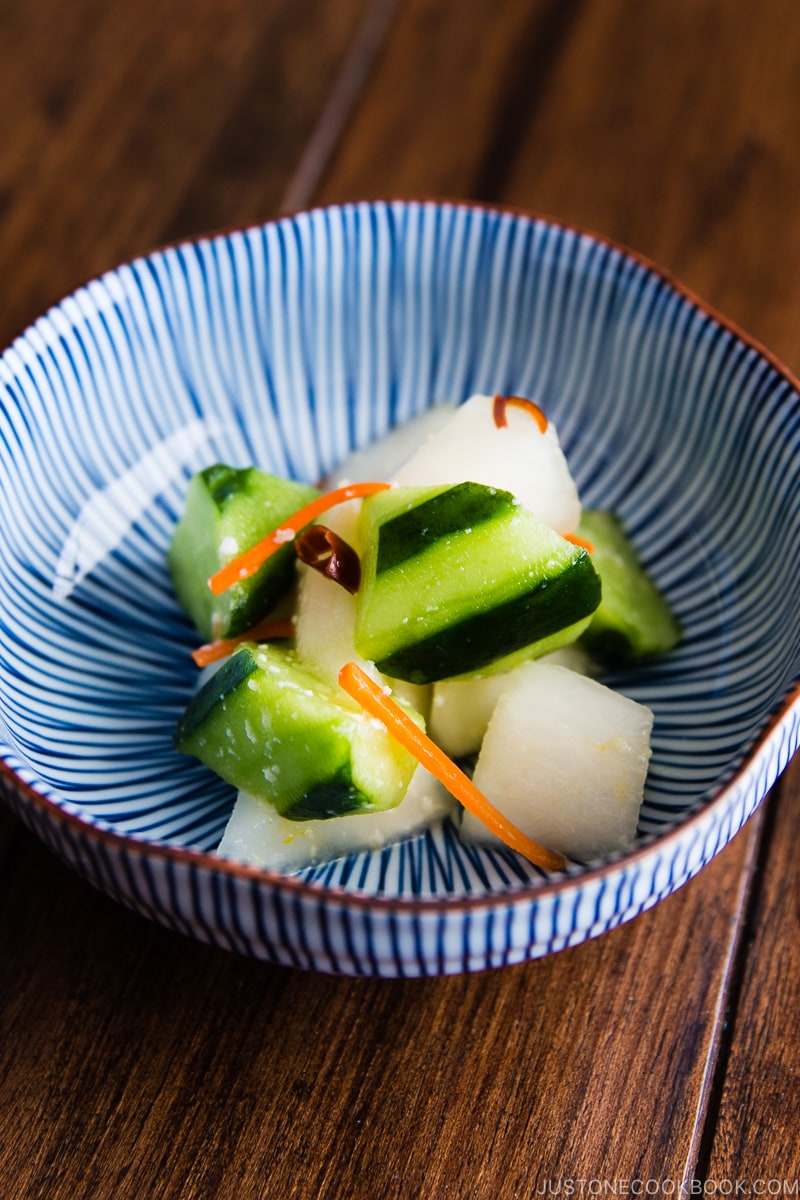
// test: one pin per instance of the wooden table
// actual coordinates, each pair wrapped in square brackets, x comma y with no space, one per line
[662,1059]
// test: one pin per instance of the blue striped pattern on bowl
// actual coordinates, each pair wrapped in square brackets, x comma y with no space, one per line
[287,346]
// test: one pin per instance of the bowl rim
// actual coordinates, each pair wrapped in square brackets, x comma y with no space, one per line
[209,861]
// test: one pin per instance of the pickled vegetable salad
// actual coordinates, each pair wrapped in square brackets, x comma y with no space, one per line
[453,608]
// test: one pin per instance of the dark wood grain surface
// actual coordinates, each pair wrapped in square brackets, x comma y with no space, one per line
[134,1063]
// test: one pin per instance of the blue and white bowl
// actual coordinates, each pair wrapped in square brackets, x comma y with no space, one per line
[287,346]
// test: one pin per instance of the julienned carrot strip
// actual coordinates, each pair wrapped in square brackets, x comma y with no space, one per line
[578,541]
[248,563]
[265,631]
[372,697]
[501,403]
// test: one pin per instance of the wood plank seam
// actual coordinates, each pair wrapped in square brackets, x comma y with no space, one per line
[342,98]
[751,885]
[525,91]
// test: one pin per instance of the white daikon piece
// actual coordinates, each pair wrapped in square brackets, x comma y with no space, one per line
[325,613]
[518,458]
[381,459]
[565,759]
[258,835]
[325,619]
[462,708]
[460,712]
[574,657]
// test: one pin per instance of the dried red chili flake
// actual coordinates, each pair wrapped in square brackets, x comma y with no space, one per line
[319,547]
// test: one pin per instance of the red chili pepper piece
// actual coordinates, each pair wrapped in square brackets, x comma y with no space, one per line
[319,547]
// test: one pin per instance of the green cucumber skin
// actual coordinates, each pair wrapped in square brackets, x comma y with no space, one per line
[334,798]
[269,727]
[452,600]
[414,531]
[222,684]
[633,622]
[224,481]
[245,505]
[487,638]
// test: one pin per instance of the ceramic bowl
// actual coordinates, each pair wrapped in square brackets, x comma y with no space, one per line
[287,346]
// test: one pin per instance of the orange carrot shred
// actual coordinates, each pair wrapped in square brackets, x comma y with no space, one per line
[374,699]
[501,403]
[248,563]
[264,631]
[578,541]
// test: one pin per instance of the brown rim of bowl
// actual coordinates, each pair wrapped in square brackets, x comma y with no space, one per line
[208,860]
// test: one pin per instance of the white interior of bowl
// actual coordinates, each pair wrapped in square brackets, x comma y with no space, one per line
[289,345]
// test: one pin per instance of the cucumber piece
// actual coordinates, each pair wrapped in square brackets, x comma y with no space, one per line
[565,759]
[633,620]
[270,727]
[464,580]
[228,510]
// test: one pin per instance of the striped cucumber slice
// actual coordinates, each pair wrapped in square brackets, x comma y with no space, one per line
[227,511]
[464,580]
[270,727]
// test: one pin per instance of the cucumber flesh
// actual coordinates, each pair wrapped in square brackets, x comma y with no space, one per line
[464,580]
[227,511]
[270,727]
[633,620]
